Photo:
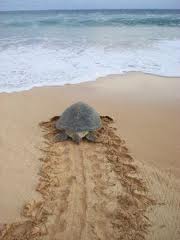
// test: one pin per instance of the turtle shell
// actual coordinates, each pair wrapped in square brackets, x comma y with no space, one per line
[79,117]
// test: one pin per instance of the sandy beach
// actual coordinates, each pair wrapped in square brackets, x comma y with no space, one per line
[146,113]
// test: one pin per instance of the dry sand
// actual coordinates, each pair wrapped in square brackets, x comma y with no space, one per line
[91,193]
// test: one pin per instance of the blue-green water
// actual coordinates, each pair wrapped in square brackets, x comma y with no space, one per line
[57,47]
[116,18]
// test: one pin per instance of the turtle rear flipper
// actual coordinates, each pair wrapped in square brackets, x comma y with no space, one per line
[91,137]
[60,137]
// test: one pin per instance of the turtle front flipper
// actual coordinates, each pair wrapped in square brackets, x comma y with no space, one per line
[60,137]
[91,137]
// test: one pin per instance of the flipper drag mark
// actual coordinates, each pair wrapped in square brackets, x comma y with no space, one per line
[89,191]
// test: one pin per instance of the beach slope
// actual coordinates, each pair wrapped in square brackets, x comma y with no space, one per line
[145,111]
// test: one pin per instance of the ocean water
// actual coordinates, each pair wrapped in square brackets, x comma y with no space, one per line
[41,48]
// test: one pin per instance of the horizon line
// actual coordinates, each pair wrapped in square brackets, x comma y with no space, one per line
[87,9]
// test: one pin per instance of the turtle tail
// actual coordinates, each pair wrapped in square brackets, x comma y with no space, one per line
[76,138]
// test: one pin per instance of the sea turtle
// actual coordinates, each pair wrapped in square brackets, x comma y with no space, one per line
[78,121]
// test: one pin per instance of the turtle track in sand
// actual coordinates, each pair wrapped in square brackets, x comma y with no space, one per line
[91,191]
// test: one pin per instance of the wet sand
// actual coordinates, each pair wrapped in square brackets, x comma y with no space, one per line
[146,113]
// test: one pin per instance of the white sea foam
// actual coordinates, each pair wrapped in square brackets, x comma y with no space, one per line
[26,66]
[55,48]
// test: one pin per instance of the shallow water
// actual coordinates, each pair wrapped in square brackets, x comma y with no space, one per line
[57,47]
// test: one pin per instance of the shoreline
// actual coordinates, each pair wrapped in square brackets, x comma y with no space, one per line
[146,113]
[92,80]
